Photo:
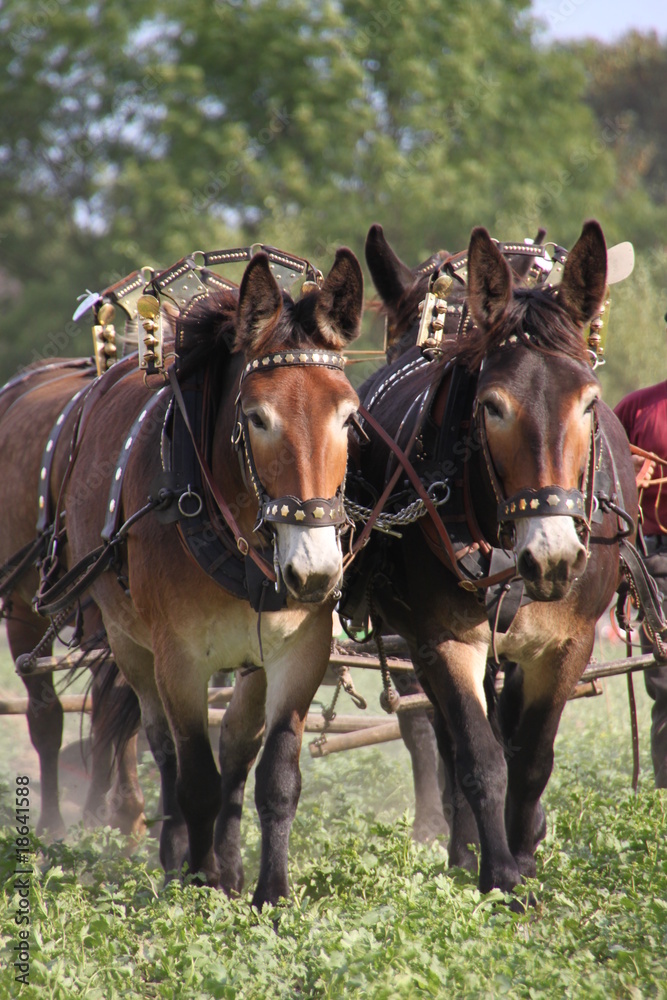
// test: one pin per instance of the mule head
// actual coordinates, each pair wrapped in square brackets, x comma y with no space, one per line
[536,399]
[296,403]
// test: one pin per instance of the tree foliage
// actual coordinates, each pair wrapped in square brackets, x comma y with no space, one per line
[134,134]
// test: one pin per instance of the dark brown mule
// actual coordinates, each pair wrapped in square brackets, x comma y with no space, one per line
[30,406]
[170,625]
[528,437]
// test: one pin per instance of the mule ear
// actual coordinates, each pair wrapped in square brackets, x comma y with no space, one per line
[340,301]
[489,280]
[582,287]
[390,275]
[260,304]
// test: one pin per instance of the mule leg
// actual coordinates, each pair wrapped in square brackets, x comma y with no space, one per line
[183,692]
[292,680]
[417,732]
[480,771]
[126,800]
[114,708]
[464,836]
[547,683]
[510,708]
[45,714]
[137,665]
[240,741]
[530,762]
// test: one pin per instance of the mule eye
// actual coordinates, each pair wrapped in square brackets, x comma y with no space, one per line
[591,405]
[493,409]
[256,421]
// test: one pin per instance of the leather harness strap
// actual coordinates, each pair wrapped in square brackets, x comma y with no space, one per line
[442,533]
[241,542]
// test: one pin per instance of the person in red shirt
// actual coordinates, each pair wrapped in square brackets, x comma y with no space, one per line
[644,416]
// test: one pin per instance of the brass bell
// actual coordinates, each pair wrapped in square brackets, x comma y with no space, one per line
[308,287]
[148,306]
[105,313]
[441,285]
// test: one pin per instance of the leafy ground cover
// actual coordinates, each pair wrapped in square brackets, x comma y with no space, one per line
[372,915]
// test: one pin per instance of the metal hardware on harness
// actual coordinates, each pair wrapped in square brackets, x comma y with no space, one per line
[295,357]
[104,338]
[113,503]
[315,511]
[197,509]
[433,313]
[407,515]
[285,267]
[344,682]
[150,345]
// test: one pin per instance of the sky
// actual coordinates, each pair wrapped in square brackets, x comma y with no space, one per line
[603,19]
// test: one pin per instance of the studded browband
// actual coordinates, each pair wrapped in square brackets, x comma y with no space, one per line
[315,512]
[550,500]
[295,357]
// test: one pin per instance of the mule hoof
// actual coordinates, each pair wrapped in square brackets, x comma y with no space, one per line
[526,865]
[231,879]
[465,859]
[51,830]
[505,877]
[427,829]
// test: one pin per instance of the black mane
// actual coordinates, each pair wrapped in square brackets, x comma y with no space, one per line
[535,311]
[206,335]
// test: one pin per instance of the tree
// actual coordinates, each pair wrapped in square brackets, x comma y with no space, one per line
[136,134]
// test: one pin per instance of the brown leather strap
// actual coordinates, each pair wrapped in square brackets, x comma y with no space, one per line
[436,520]
[241,542]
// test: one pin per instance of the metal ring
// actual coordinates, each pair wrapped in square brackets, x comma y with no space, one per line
[439,485]
[190,493]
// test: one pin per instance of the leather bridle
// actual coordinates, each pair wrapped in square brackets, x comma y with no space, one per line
[315,512]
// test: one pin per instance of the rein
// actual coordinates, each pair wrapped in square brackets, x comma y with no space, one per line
[481,583]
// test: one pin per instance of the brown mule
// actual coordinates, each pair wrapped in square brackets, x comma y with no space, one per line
[30,405]
[529,460]
[276,398]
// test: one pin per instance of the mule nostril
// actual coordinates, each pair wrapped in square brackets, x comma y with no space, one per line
[579,564]
[528,566]
[294,581]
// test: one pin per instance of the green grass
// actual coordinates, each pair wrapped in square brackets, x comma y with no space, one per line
[372,915]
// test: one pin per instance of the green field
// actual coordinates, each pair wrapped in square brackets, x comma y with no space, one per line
[372,915]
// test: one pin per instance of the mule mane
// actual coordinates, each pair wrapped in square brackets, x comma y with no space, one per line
[535,311]
[532,311]
[205,336]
